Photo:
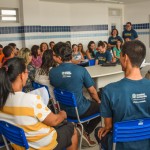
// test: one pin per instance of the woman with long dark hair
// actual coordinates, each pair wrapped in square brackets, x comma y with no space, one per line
[91,51]
[30,113]
[117,50]
[36,56]
[41,75]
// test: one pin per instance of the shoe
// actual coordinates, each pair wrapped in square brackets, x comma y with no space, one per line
[86,141]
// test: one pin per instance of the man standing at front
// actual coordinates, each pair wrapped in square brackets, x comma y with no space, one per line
[126,99]
[73,78]
[129,33]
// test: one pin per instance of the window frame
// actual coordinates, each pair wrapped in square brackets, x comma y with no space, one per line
[9,21]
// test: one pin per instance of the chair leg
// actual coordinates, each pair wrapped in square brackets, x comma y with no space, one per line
[81,134]
[80,143]
[114,146]
[6,144]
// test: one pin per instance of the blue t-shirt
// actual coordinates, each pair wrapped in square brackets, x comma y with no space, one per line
[132,34]
[113,40]
[132,100]
[103,57]
[71,77]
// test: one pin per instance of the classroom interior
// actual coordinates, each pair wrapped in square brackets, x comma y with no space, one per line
[78,21]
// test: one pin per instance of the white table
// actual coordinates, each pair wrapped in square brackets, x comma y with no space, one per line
[105,75]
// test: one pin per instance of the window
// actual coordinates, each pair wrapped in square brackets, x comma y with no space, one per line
[8,15]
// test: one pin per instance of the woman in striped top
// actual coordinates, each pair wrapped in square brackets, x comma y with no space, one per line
[29,112]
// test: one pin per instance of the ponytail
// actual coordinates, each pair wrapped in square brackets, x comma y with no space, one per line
[5,86]
[8,74]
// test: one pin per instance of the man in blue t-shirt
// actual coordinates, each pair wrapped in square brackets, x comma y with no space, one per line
[103,55]
[73,78]
[126,99]
[129,33]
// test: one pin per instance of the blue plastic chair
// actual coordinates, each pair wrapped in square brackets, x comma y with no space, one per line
[38,85]
[68,99]
[91,62]
[13,134]
[133,130]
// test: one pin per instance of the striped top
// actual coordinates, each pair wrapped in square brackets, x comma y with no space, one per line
[28,111]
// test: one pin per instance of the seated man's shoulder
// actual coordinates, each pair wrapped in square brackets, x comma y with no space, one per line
[115,85]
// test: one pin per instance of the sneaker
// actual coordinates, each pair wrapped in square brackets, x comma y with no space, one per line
[86,141]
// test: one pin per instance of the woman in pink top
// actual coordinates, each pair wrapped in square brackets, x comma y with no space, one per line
[36,56]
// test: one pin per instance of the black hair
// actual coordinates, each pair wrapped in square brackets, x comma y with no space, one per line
[119,41]
[47,62]
[90,50]
[8,74]
[1,46]
[7,50]
[34,50]
[12,45]
[129,23]
[74,45]
[69,43]
[113,30]
[51,43]
[136,51]
[63,50]
[41,46]
[101,43]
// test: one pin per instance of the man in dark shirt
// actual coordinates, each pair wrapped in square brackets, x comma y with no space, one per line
[126,99]
[129,33]
[73,78]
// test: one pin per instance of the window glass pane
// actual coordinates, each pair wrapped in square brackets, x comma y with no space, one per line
[9,18]
[8,12]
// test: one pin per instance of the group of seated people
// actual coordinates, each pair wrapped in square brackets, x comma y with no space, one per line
[55,68]
[19,73]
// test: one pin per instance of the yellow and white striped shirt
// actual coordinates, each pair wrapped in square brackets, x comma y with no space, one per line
[28,111]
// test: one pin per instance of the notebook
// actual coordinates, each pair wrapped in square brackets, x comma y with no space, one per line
[108,64]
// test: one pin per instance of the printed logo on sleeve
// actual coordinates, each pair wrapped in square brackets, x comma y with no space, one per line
[139,98]
[66,74]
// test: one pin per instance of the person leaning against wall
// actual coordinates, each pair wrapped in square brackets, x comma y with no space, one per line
[130,97]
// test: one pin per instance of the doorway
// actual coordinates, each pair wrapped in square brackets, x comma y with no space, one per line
[115,20]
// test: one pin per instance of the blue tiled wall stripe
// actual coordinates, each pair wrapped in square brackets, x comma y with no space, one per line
[27,29]
[60,36]
[53,36]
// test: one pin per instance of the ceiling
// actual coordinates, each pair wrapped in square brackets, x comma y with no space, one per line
[97,1]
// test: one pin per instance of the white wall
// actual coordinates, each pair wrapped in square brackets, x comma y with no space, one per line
[54,14]
[91,13]
[139,13]
[42,13]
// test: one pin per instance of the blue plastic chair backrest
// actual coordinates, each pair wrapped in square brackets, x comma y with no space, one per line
[38,85]
[14,134]
[65,97]
[92,62]
[133,130]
